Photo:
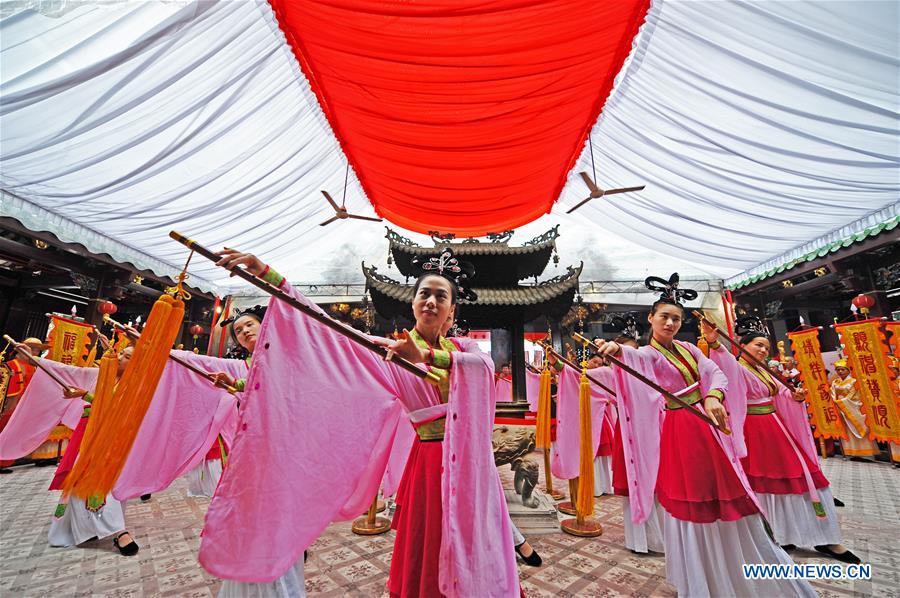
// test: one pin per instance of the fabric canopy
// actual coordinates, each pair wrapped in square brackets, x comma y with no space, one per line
[461,116]
[759,128]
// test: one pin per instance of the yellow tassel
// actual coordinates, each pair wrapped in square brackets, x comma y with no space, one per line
[542,434]
[115,422]
[584,504]
[103,392]
[703,345]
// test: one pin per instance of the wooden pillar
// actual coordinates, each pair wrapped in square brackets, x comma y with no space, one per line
[517,360]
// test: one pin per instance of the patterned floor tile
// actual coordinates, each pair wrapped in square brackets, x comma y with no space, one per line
[343,564]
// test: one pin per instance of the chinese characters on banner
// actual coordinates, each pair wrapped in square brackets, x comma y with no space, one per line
[67,341]
[807,352]
[867,356]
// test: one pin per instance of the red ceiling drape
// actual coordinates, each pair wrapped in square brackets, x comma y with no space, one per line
[461,116]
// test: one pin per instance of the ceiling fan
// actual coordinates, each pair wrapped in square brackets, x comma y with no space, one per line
[340,212]
[597,192]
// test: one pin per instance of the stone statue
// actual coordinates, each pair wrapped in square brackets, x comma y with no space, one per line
[512,445]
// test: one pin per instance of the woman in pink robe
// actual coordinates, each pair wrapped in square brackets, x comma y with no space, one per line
[340,401]
[713,522]
[785,477]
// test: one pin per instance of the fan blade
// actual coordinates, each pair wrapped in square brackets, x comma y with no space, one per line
[591,185]
[330,220]
[584,201]
[364,218]
[624,190]
[331,201]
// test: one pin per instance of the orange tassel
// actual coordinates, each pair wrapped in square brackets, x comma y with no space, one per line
[118,418]
[542,434]
[584,505]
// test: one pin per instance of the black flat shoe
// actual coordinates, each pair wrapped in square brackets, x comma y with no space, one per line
[129,549]
[533,559]
[146,497]
[5,470]
[844,557]
[789,547]
[838,502]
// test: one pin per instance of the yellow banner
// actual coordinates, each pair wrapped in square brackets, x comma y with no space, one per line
[68,341]
[808,353]
[866,351]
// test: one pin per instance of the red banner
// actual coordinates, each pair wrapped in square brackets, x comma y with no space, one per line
[462,116]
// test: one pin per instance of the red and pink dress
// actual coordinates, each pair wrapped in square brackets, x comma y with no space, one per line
[713,521]
[780,460]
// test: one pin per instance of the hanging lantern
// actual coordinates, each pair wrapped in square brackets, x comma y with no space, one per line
[107,308]
[863,303]
[196,330]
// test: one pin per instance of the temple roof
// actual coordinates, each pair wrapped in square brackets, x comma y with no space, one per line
[494,260]
[495,306]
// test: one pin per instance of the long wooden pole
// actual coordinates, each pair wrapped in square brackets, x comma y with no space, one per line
[745,352]
[134,336]
[630,370]
[69,391]
[351,333]
[569,363]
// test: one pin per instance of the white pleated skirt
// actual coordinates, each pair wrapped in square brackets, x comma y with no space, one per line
[203,479]
[647,536]
[793,520]
[705,559]
[289,585]
[602,476]
[78,524]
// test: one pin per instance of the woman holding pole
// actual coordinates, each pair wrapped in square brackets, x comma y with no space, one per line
[783,470]
[713,522]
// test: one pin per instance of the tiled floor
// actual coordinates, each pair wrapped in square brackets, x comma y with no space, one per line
[342,564]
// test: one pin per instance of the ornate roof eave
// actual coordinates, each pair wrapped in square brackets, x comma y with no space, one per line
[520,295]
[498,244]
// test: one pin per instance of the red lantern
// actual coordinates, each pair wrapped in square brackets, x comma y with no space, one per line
[196,330]
[107,308]
[863,302]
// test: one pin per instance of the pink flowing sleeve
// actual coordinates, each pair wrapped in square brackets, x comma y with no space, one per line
[43,406]
[565,458]
[640,420]
[189,413]
[736,397]
[532,386]
[796,419]
[316,426]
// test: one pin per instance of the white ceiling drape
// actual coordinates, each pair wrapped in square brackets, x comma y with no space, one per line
[758,128]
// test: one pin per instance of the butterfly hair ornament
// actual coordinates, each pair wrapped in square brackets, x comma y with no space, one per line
[447,265]
[668,289]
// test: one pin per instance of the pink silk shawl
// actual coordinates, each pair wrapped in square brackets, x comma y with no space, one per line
[335,403]
[642,413]
[565,457]
[532,387]
[503,391]
[793,415]
[43,406]
[185,417]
